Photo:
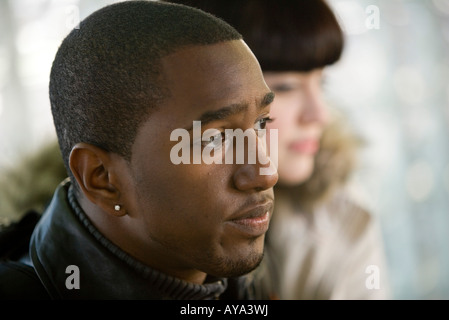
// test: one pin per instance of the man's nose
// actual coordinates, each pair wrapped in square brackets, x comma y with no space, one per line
[257,176]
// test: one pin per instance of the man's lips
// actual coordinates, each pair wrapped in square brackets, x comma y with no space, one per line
[253,222]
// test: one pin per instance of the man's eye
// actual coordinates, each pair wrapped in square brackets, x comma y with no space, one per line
[213,141]
[262,123]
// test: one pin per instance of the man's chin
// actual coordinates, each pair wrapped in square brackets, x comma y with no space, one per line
[231,268]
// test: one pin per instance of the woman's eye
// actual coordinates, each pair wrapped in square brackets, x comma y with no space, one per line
[283,87]
[286,87]
[262,123]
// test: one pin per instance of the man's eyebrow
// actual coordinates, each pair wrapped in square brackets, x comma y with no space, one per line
[267,99]
[230,110]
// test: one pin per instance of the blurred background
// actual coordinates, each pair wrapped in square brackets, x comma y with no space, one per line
[392,83]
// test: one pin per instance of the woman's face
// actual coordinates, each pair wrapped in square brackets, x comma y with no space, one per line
[299,114]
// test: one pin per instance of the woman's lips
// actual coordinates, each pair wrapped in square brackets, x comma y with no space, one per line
[305,146]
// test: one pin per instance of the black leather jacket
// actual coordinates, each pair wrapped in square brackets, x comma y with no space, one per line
[65,245]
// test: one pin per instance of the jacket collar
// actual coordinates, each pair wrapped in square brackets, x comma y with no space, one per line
[65,237]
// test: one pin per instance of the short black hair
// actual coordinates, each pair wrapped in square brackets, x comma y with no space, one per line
[106,78]
[299,35]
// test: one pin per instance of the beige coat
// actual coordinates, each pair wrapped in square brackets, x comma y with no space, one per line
[335,252]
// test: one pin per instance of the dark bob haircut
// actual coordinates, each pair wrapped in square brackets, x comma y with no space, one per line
[296,35]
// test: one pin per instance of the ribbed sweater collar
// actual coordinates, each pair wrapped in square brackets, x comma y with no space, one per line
[65,236]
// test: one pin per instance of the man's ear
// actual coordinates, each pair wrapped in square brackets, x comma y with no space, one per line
[96,170]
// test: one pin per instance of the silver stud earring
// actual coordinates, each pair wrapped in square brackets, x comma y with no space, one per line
[117,207]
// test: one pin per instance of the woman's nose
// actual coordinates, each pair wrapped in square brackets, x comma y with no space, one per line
[314,109]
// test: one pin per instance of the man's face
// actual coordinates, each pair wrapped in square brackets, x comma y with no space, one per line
[202,217]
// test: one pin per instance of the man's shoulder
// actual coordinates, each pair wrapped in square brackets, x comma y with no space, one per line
[20,281]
